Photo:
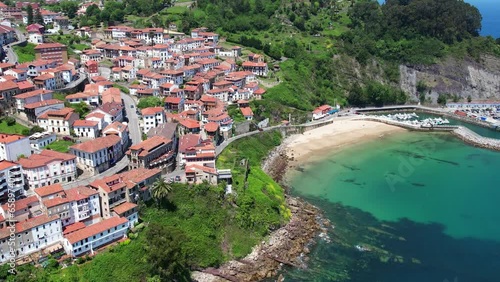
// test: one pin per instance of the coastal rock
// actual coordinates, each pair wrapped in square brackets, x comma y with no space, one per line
[462,77]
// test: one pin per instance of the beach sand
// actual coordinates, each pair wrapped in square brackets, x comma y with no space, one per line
[315,144]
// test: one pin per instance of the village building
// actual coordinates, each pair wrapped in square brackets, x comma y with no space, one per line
[14,146]
[48,167]
[58,121]
[98,154]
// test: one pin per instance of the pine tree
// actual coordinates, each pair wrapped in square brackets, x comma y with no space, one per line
[38,17]
[29,11]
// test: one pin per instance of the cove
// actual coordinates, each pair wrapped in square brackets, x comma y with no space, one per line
[425,205]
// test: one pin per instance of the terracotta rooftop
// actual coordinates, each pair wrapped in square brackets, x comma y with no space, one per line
[9,138]
[34,222]
[151,111]
[85,123]
[146,146]
[94,229]
[123,208]
[97,144]
[49,102]
[211,127]
[49,190]
[4,164]
[32,94]
[44,158]
[188,141]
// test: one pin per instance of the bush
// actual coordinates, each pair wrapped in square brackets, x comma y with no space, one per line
[10,121]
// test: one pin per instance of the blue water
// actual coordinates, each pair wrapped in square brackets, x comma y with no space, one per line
[425,204]
[490,10]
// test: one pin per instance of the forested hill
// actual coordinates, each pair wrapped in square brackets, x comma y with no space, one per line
[336,48]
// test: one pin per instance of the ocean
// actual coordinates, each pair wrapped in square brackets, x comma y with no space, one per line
[419,206]
[490,10]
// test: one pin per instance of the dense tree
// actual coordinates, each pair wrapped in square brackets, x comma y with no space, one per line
[29,12]
[165,254]
[149,102]
[69,8]
[38,18]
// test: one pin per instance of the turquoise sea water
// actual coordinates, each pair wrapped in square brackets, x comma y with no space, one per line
[490,10]
[426,206]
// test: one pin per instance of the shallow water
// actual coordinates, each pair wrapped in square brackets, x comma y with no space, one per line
[424,204]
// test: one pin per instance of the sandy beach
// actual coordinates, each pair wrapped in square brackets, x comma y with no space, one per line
[316,143]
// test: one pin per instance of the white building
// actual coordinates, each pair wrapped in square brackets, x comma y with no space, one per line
[88,98]
[129,211]
[118,129]
[88,239]
[14,146]
[98,154]
[86,128]
[58,121]
[11,180]
[31,235]
[152,117]
[79,204]
[48,167]
[35,38]
[41,139]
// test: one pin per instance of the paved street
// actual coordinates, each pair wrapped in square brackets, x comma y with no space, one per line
[10,53]
[119,166]
[133,119]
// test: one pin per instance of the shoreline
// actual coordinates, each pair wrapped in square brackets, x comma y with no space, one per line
[289,243]
[292,241]
[316,144]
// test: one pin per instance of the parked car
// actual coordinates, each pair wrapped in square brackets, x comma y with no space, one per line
[131,106]
[67,138]
[178,178]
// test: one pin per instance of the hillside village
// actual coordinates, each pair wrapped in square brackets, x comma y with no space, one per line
[80,200]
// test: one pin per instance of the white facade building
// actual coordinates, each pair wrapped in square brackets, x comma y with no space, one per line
[152,117]
[14,146]
[11,180]
[48,167]
[41,139]
[86,240]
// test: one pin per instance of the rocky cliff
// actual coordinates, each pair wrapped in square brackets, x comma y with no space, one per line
[480,80]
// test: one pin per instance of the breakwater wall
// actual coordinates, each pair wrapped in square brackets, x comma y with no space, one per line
[463,133]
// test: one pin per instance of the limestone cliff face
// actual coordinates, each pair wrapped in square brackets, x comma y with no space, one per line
[463,78]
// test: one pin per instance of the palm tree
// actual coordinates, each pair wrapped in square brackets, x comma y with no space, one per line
[160,190]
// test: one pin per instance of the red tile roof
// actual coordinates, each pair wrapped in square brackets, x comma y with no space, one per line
[34,222]
[123,208]
[211,127]
[151,111]
[73,227]
[49,45]
[149,144]
[4,164]
[7,85]
[85,123]
[23,203]
[97,144]
[32,94]
[95,229]
[189,123]
[49,190]
[187,141]
[173,100]
[43,103]
[44,158]
[9,138]
[246,111]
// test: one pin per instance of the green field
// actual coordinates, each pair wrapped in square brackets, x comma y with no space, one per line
[26,53]
[13,129]
[60,146]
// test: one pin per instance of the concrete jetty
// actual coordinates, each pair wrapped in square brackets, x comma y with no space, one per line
[465,134]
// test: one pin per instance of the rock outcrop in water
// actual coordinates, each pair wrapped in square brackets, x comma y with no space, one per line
[283,247]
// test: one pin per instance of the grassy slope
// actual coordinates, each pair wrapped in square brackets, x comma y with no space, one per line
[209,221]
[60,146]
[14,129]
[26,53]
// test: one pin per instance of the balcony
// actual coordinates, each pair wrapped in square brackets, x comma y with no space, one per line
[82,208]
